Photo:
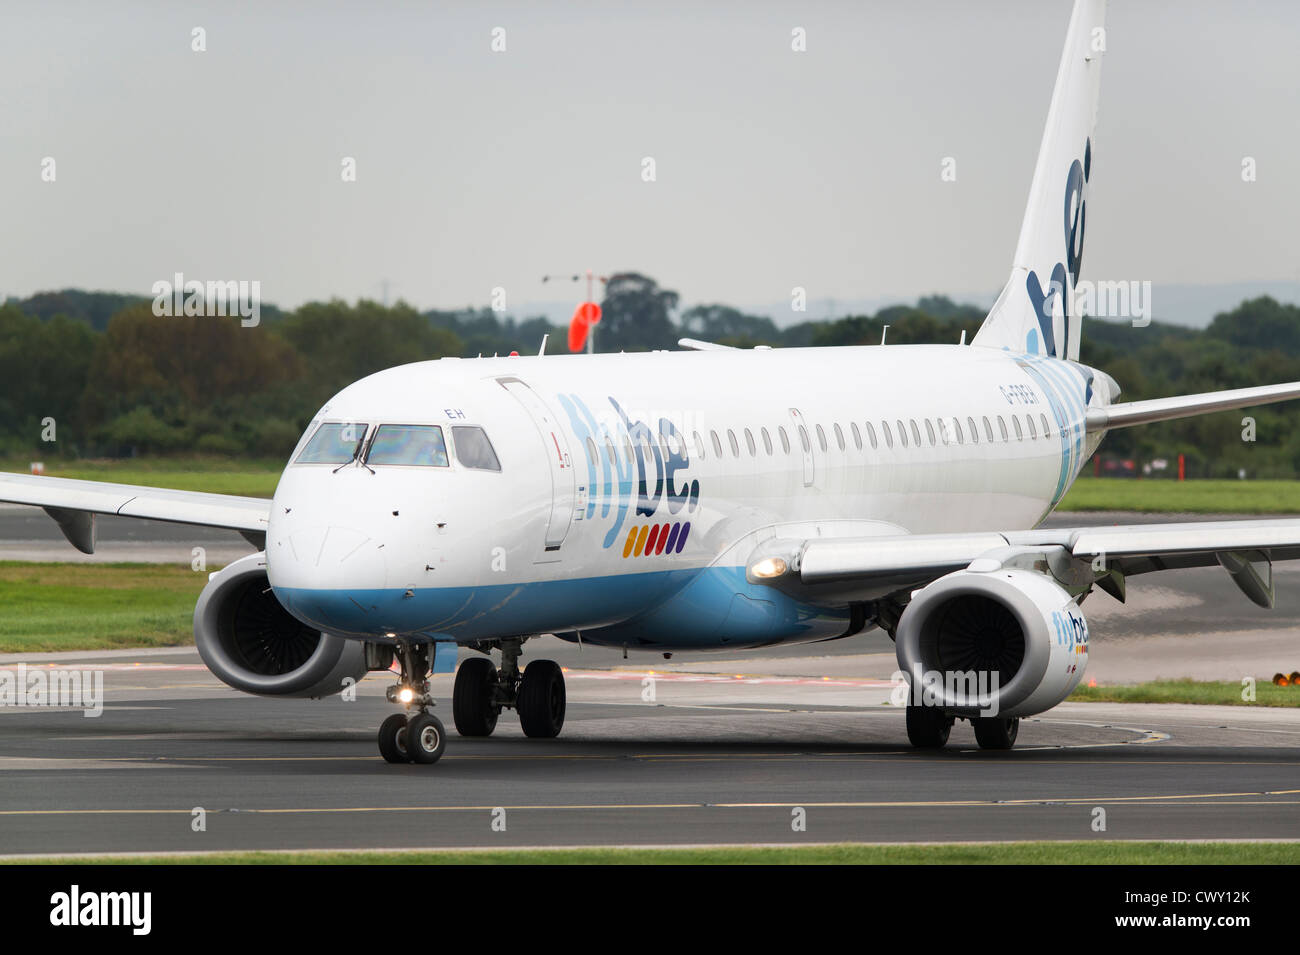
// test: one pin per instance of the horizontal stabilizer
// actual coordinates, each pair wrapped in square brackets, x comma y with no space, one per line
[1129,413]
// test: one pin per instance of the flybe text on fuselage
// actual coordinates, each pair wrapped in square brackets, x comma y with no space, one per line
[650,472]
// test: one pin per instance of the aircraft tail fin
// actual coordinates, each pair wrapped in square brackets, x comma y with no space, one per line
[1033,312]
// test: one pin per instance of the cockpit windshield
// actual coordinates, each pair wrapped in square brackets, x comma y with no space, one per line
[473,449]
[333,443]
[411,444]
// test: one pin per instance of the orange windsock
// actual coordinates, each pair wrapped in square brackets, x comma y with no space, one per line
[584,316]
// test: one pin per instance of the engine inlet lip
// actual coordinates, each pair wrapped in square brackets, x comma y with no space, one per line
[914,641]
[210,637]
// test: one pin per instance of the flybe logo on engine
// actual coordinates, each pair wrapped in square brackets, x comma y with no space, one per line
[1071,632]
[632,466]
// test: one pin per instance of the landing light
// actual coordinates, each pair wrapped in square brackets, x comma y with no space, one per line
[405,695]
[769,567]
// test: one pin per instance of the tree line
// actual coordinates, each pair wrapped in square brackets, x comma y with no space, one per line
[105,377]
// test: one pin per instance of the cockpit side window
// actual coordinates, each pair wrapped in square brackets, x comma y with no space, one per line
[419,445]
[473,449]
[333,443]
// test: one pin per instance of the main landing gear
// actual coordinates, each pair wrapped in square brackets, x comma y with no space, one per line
[480,693]
[928,728]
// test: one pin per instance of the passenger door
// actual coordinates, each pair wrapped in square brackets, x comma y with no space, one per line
[555,446]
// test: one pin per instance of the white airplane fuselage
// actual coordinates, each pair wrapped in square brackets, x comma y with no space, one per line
[633,487]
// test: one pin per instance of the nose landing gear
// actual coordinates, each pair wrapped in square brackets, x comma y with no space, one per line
[416,736]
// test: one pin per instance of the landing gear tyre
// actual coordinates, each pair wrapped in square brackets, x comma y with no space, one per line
[392,739]
[426,738]
[995,732]
[541,700]
[928,727]
[473,705]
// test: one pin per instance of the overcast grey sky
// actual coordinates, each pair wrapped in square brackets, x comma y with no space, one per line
[478,169]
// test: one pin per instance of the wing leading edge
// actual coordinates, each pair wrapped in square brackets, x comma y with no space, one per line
[870,567]
[73,504]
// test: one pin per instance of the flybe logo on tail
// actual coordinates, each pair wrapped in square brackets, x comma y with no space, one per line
[631,465]
[1064,274]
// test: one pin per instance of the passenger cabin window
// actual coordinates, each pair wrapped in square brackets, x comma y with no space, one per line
[956,426]
[916,434]
[929,431]
[717,445]
[857,435]
[988,429]
[699,446]
[1033,431]
[839,436]
[974,431]
[418,445]
[767,442]
[902,434]
[333,443]
[1015,423]
[735,445]
[871,435]
[474,450]
[749,443]
[889,437]
[1046,430]
[821,437]
[1002,426]
[785,441]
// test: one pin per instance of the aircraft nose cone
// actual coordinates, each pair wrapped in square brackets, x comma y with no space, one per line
[331,576]
[329,556]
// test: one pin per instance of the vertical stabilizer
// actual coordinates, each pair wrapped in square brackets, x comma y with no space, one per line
[1033,313]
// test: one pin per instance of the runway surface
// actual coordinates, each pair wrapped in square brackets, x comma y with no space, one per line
[711,758]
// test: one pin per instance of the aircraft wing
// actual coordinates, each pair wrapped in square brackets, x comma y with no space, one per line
[868,567]
[73,504]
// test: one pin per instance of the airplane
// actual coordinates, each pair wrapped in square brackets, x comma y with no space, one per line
[712,498]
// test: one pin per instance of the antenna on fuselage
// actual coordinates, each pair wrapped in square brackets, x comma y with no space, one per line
[882,334]
[542,351]
[963,337]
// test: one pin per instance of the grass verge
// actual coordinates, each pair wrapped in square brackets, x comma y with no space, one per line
[1189,691]
[1013,853]
[55,606]
[1191,497]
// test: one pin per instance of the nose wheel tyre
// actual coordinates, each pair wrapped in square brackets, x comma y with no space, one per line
[541,700]
[928,727]
[392,739]
[996,733]
[426,738]
[473,701]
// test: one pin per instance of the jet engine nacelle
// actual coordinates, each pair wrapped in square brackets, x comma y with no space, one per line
[252,643]
[1012,631]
